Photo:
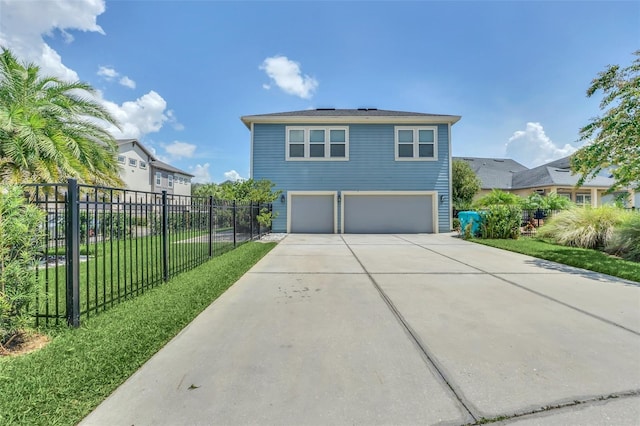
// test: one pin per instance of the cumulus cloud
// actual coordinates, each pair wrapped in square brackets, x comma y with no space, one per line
[532,147]
[287,75]
[179,150]
[107,72]
[23,23]
[201,173]
[22,27]
[140,117]
[127,82]
[233,176]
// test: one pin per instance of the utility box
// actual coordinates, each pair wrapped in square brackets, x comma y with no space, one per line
[472,218]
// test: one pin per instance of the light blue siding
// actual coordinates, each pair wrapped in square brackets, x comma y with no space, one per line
[371,167]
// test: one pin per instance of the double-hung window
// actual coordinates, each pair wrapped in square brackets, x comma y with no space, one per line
[170,181]
[158,178]
[133,162]
[416,143]
[317,143]
[121,159]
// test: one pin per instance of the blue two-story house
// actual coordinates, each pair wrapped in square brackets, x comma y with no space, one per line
[355,170]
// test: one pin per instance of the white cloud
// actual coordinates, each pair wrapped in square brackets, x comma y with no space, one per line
[108,73]
[287,75]
[201,173]
[140,117]
[233,176]
[174,121]
[22,27]
[23,23]
[127,82]
[532,147]
[179,150]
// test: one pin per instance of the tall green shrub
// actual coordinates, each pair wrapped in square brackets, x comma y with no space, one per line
[625,240]
[21,237]
[501,222]
[583,227]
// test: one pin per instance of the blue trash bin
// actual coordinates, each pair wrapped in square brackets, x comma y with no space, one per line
[472,218]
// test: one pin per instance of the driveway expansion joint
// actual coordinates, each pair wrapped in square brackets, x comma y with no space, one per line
[557,406]
[497,275]
[424,352]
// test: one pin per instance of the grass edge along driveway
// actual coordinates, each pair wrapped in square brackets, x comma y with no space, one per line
[592,260]
[62,383]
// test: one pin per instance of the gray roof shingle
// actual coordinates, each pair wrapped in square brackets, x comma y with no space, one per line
[493,172]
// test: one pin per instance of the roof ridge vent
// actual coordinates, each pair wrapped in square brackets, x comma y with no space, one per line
[372,109]
[325,109]
[362,109]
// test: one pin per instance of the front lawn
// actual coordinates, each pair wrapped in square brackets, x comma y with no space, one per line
[62,383]
[592,260]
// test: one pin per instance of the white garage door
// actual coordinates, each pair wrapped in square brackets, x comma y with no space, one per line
[389,212]
[312,212]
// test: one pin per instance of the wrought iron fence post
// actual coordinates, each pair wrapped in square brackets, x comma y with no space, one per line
[234,223]
[210,225]
[258,214]
[72,253]
[251,221]
[165,239]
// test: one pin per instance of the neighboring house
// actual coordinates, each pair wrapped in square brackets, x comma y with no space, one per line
[142,171]
[511,176]
[355,170]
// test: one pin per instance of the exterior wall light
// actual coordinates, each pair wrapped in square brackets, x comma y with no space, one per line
[282,198]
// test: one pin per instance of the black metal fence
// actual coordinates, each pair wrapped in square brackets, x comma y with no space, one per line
[104,245]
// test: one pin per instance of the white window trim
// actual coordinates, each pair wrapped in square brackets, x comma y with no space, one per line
[124,159]
[159,178]
[143,165]
[416,143]
[170,181]
[133,162]
[327,143]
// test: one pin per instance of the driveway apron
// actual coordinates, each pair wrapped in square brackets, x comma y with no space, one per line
[397,329]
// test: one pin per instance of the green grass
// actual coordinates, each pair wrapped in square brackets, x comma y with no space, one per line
[63,382]
[592,260]
[123,268]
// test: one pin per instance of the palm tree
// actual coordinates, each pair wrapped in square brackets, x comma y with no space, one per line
[51,130]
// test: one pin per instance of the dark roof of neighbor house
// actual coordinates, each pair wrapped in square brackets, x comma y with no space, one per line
[504,173]
[169,168]
[494,172]
[556,173]
[352,115]
[152,158]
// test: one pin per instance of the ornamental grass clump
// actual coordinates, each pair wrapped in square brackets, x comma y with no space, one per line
[586,227]
[21,239]
[625,241]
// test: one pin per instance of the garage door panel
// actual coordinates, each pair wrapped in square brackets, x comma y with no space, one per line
[312,214]
[388,214]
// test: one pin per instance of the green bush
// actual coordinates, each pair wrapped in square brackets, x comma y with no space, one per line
[501,222]
[21,240]
[625,241]
[456,225]
[583,227]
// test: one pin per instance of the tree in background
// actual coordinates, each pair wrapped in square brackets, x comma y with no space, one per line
[498,198]
[464,185]
[614,138]
[50,130]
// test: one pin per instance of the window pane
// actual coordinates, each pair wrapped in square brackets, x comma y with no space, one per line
[405,136]
[296,136]
[316,136]
[405,150]
[426,150]
[425,136]
[316,150]
[338,150]
[337,136]
[121,159]
[296,150]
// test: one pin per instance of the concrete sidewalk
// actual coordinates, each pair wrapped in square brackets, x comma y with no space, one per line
[397,329]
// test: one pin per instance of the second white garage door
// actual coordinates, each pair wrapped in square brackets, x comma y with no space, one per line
[389,212]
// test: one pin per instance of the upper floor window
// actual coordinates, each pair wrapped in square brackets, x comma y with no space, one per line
[416,143]
[170,181]
[143,164]
[158,178]
[317,143]
[121,159]
[133,162]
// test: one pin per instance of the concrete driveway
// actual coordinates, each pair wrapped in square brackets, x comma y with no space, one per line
[397,329]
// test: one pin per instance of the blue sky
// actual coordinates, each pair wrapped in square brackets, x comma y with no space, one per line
[180,74]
